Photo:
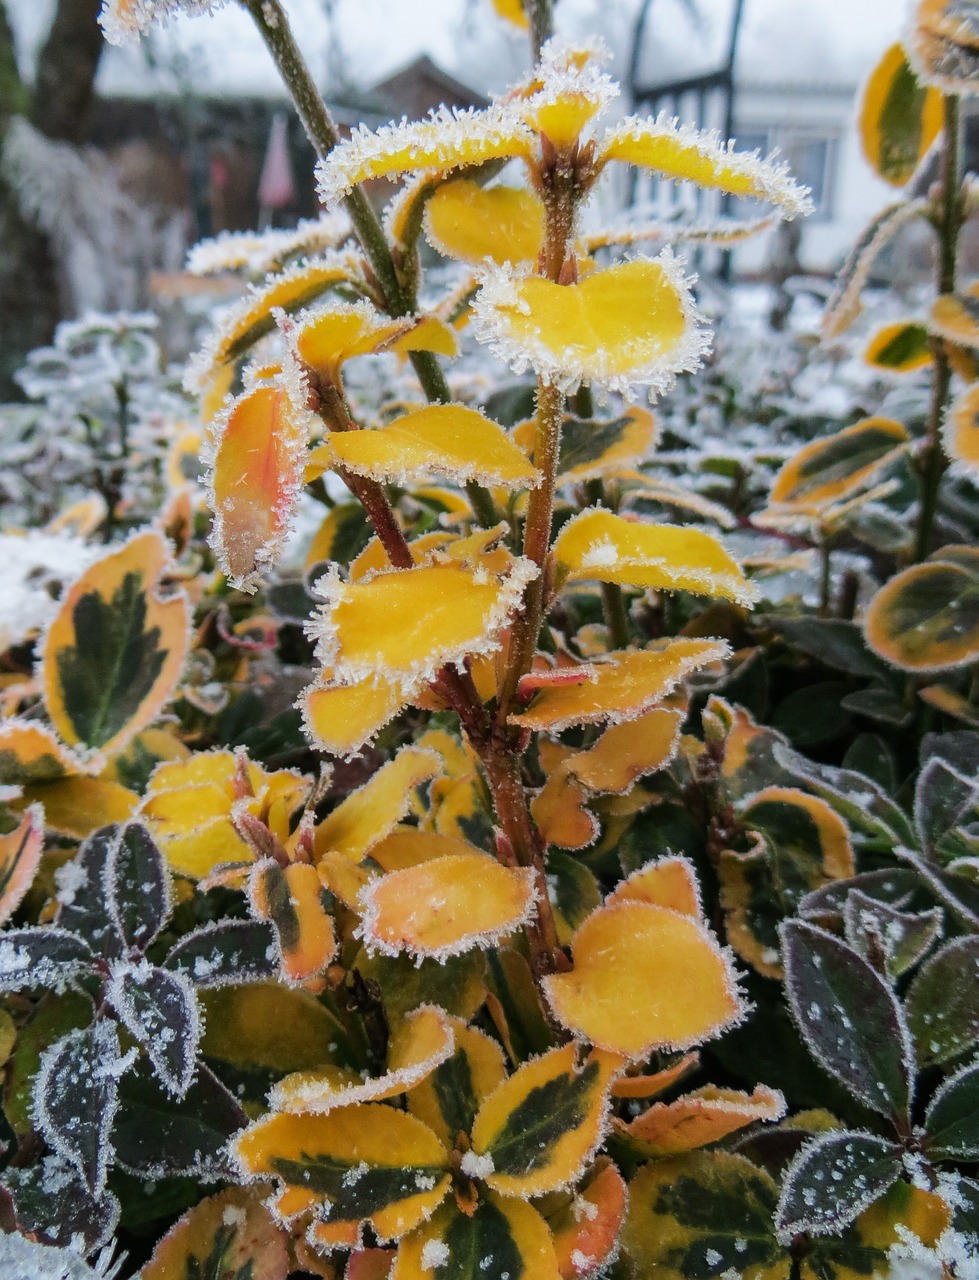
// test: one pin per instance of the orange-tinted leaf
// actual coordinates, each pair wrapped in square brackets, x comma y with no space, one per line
[20,854]
[114,652]
[289,898]
[668,882]
[630,683]
[538,1128]
[587,1231]
[926,618]
[78,805]
[944,46]
[256,477]
[605,547]
[472,223]
[642,1086]
[899,118]
[445,438]
[341,718]
[364,1163]
[446,906]
[31,753]
[955,316]
[418,1044]
[561,813]
[222,1237]
[960,434]
[368,814]
[626,752]
[700,1118]
[635,322]
[408,846]
[644,977]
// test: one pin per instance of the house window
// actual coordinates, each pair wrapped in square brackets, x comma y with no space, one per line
[811,157]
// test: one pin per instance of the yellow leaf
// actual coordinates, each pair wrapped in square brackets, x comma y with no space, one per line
[899,118]
[368,814]
[837,466]
[926,618]
[448,1098]
[512,11]
[428,333]
[597,447]
[289,898]
[77,806]
[252,318]
[686,154]
[644,978]
[345,530]
[408,623]
[560,811]
[374,559]
[266,1025]
[366,1163]
[537,1130]
[635,322]
[629,751]
[508,1234]
[643,1086]
[621,689]
[960,434]
[446,906]
[700,1118]
[471,223]
[20,856]
[114,652]
[234,1225]
[955,316]
[901,347]
[82,518]
[601,546]
[419,1043]
[445,438]
[341,718]
[446,140]
[945,47]
[668,882]
[408,847]
[31,753]
[256,477]
[338,331]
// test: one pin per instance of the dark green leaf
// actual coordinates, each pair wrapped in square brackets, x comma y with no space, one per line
[51,1204]
[355,1190]
[836,644]
[138,885]
[832,1180]
[869,754]
[225,953]
[942,1003]
[160,1010]
[901,937]
[878,704]
[46,956]
[480,1246]
[533,1128]
[813,714]
[894,887]
[848,1017]
[942,798]
[83,894]
[952,1119]
[864,805]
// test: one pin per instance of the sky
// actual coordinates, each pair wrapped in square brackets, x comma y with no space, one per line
[833,41]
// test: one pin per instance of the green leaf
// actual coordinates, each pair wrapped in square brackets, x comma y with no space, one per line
[832,1180]
[535,1126]
[837,644]
[848,1017]
[942,798]
[902,937]
[137,885]
[812,715]
[942,1003]
[952,1119]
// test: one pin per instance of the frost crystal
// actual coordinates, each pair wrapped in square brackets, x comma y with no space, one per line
[474,1166]
[125,20]
[435,1253]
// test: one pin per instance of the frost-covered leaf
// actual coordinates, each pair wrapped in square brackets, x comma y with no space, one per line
[449,1097]
[621,688]
[52,1204]
[83,894]
[446,906]
[46,956]
[943,796]
[699,1118]
[364,1163]
[586,1231]
[224,953]
[697,1217]
[137,885]
[627,752]
[960,434]
[604,547]
[419,1044]
[456,984]
[901,347]
[899,118]
[291,900]
[76,1096]
[159,1009]
[644,977]
[944,46]
[471,223]
[955,317]
[835,467]
[20,855]
[536,1130]
[832,1180]
[926,617]
[844,304]
[371,812]
[230,1236]
[686,154]
[114,652]
[157,1135]
[331,334]
[444,439]
[502,1237]
[633,323]
[594,447]
[942,1002]
[669,882]
[256,476]
[848,1017]
[408,623]
[902,937]
[952,1118]
[342,718]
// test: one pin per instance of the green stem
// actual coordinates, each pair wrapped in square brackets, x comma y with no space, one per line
[541,16]
[932,462]
[613,601]
[825,576]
